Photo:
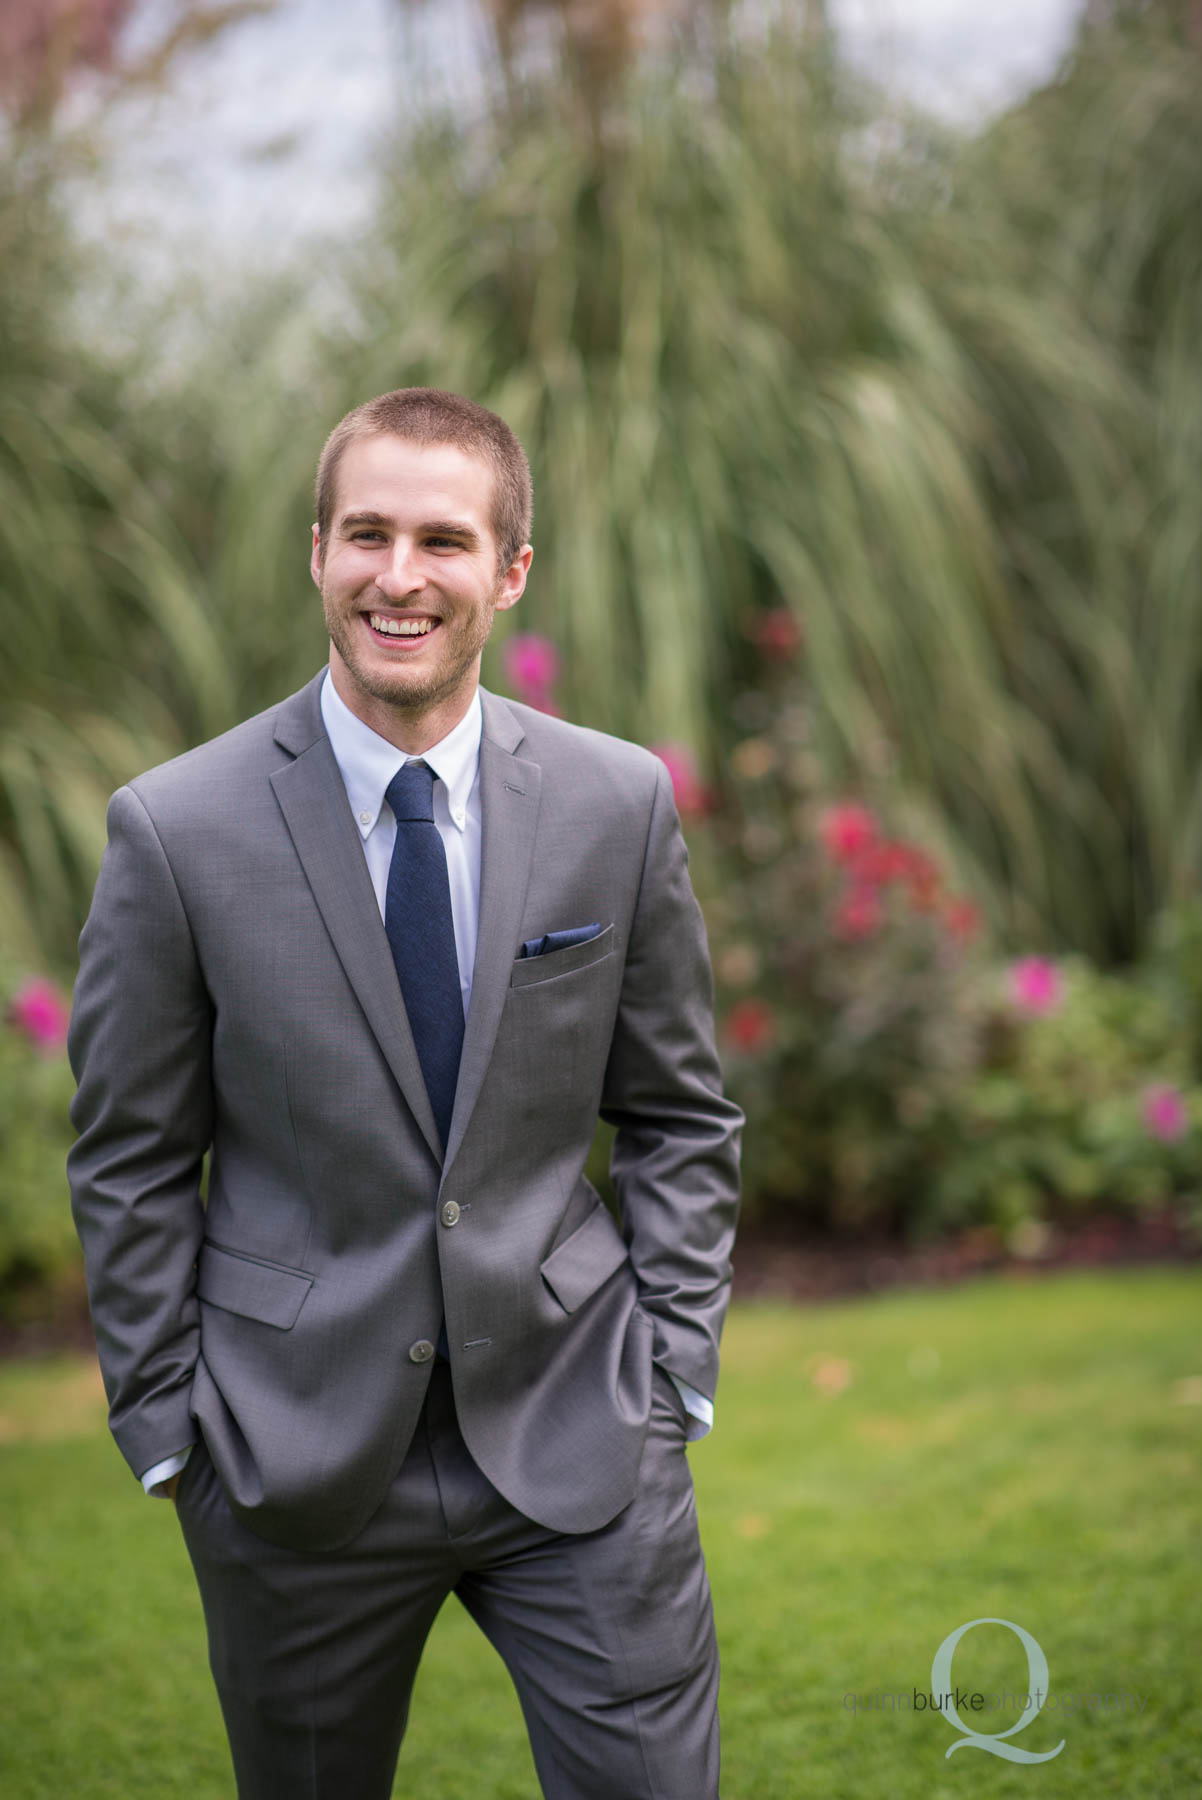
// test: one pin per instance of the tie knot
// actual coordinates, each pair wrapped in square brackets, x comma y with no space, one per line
[410,793]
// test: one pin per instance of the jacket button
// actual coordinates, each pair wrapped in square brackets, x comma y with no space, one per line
[450,1213]
[422,1351]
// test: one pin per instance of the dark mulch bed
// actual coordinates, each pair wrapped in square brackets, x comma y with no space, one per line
[784,1263]
[34,1328]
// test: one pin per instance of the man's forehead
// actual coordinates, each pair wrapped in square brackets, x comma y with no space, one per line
[384,474]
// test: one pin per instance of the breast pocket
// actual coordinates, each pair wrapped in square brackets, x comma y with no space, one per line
[555,965]
[553,1041]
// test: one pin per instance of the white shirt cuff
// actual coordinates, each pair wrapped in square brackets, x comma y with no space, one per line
[699,1409]
[163,1471]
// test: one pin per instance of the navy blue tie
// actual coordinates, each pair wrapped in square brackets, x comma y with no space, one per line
[421,932]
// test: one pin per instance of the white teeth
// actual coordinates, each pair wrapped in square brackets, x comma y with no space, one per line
[401,627]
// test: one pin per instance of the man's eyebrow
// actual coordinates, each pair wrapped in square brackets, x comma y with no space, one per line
[451,528]
[432,528]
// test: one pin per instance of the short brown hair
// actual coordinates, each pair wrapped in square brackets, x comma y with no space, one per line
[431,416]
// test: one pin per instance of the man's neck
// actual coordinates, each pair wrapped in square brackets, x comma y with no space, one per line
[412,729]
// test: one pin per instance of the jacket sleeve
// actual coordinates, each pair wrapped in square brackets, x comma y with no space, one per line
[675,1156]
[140,1046]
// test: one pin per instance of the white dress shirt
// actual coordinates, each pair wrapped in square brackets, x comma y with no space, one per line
[367,763]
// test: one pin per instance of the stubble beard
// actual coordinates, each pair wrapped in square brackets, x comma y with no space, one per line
[408,690]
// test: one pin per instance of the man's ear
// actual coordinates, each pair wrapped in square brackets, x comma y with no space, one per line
[315,556]
[513,581]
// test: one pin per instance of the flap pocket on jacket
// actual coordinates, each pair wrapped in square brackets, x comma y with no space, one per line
[256,1290]
[532,971]
[577,1267]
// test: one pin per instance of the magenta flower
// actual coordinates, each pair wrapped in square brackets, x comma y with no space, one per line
[847,831]
[750,1024]
[531,666]
[39,1010]
[1164,1113]
[1036,985]
[691,797]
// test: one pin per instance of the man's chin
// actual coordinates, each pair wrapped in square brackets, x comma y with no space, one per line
[402,690]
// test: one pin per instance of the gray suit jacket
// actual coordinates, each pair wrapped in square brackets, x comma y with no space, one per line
[237,998]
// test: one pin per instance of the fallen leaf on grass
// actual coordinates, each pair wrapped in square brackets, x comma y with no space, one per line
[753,1525]
[830,1374]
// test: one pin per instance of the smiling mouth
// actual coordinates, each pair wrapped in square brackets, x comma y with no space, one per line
[400,632]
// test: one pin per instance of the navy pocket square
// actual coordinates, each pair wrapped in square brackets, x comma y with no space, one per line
[558,940]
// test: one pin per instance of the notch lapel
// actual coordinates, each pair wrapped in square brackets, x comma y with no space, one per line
[509,796]
[312,798]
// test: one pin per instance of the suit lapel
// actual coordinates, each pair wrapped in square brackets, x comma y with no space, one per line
[312,798]
[509,795]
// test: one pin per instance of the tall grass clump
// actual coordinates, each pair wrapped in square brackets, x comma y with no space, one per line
[771,345]
[768,348]
[111,659]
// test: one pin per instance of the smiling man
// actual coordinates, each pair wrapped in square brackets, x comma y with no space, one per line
[384,955]
[411,573]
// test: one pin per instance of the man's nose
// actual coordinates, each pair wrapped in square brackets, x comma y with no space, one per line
[402,573]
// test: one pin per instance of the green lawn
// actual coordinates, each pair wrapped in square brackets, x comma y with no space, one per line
[882,1472]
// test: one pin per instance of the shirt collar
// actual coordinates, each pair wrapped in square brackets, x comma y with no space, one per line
[368,762]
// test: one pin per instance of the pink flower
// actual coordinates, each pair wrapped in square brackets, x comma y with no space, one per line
[858,915]
[39,1010]
[750,1025]
[847,831]
[691,797]
[531,666]
[1164,1113]
[881,862]
[1036,985]
[777,633]
[962,919]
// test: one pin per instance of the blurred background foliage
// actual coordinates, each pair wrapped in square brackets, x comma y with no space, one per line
[866,458]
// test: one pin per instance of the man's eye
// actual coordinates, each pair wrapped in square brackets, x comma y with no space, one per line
[367,537]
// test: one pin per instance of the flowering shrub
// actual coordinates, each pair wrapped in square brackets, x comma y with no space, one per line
[895,1075]
[1071,1106]
[38,1246]
[843,963]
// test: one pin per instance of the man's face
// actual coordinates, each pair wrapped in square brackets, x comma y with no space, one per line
[409,581]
